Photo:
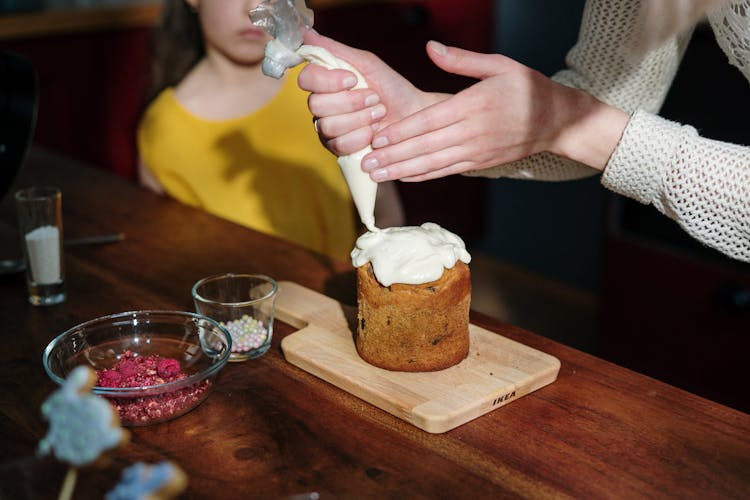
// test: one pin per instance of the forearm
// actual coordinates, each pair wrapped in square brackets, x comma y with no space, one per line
[702,184]
[602,62]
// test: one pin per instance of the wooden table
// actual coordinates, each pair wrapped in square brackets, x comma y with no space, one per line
[271,430]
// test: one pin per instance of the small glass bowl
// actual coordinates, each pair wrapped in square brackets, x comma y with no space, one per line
[199,344]
[244,304]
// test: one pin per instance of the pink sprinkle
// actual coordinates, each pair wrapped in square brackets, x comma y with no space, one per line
[167,368]
[109,378]
[128,368]
[136,371]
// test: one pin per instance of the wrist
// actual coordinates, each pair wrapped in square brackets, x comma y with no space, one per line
[589,130]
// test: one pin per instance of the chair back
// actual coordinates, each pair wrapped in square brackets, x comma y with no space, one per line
[18,108]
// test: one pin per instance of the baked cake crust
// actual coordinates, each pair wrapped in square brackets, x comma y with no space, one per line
[414,328]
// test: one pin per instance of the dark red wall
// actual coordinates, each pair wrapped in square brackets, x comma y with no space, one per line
[90,93]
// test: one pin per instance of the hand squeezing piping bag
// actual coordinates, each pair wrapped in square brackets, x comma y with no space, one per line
[285,21]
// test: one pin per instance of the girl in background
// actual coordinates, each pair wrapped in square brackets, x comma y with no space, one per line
[219,135]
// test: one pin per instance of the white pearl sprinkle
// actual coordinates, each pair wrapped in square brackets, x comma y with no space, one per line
[247,333]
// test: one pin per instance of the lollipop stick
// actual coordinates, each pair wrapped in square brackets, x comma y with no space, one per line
[69,484]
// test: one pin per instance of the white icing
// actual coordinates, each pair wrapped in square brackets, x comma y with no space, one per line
[411,255]
[362,187]
[278,57]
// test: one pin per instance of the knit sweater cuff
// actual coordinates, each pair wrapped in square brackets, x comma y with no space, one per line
[648,146]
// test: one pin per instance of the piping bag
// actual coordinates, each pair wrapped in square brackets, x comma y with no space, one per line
[285,21]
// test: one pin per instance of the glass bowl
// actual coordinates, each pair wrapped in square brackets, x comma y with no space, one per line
[134,349]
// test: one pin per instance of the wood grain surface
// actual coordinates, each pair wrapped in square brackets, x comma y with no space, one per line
[272,430]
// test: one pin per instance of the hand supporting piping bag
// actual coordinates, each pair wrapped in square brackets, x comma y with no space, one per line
[285,21]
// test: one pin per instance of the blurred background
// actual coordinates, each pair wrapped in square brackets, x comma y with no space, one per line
[569,260]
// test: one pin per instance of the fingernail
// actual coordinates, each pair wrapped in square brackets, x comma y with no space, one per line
[349,81]
[438,47]
[380,174]
[379,142]
[372,100]
[370,164]
[378,112]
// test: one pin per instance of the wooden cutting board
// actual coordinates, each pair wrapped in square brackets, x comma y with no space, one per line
[497,371]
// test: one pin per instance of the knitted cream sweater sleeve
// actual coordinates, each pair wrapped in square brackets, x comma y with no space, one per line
[702,184]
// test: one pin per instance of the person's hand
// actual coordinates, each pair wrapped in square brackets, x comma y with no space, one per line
[511,113]
[346,119]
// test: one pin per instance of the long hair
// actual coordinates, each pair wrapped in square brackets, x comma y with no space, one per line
[177,44]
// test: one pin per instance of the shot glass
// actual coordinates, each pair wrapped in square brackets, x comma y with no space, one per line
[244,304]
[39,210]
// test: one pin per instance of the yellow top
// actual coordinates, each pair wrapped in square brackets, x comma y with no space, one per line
[267,171]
